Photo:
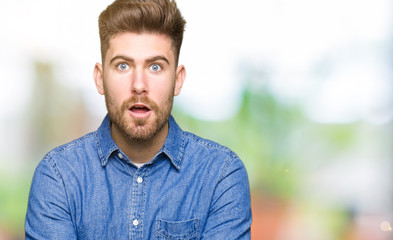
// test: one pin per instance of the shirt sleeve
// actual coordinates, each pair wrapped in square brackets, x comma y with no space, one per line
[48,215]
[230,211]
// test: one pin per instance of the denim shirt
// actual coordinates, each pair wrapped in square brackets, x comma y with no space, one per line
[88,189]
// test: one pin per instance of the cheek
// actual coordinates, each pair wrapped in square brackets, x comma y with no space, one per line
[162,92]
[161,88]
[117,87]
[114,98]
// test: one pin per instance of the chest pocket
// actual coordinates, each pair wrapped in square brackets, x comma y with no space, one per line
[177,230]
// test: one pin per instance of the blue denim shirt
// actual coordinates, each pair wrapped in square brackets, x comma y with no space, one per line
[88,189]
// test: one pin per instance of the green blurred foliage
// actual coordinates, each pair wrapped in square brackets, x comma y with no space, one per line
[276,141]
[14,190]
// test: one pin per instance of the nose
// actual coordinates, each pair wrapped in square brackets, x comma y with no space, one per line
[139,83]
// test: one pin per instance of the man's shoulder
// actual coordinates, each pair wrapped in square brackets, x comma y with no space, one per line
[205,154]
[204,142]
[207,146]
[77,146]
[70,159]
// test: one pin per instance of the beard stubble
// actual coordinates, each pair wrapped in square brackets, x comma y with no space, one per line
[139,130]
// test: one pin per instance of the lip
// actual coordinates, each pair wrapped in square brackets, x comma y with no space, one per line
[140,110]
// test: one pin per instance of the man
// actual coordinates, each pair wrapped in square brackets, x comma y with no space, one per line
[139,176]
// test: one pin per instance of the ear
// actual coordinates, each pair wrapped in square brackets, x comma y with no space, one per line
[99,78]
[180,77]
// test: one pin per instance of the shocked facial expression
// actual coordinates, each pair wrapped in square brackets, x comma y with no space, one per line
[139,80]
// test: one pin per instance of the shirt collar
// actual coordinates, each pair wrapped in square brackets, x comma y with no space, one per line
[173,146]
[174,143]
[105,144]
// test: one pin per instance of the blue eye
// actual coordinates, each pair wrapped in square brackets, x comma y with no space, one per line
[123,66]
[155,67]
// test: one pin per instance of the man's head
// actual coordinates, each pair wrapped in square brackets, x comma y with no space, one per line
[142,16]
[139,75]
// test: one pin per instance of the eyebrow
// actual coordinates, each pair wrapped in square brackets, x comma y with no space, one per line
[149,60]
[122,58]
[157,58]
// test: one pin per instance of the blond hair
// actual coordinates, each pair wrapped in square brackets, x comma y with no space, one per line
[140,16]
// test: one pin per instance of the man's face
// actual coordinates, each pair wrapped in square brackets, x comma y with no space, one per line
[139,80]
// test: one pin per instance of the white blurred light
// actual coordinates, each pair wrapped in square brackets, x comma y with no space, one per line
[385,226]
[353,92]
[289,35]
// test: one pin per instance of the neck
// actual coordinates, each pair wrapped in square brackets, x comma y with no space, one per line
[140,151]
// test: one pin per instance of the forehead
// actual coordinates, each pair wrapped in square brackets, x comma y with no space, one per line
[140,46]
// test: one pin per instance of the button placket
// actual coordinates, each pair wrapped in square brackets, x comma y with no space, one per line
[138,203]
[139,179]
[135,222]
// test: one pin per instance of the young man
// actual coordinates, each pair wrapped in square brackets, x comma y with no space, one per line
[139,176]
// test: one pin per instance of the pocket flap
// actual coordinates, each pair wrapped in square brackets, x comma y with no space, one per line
[178,230]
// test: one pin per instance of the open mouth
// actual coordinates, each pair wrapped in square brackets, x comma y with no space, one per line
[139,110]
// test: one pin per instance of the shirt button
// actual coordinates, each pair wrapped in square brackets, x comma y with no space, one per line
[135,222]
[139,179]
[120,155]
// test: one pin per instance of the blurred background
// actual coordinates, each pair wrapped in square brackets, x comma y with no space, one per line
[300,89]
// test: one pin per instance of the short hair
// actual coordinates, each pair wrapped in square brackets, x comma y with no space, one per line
[140,16]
